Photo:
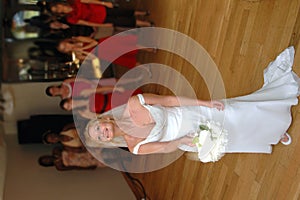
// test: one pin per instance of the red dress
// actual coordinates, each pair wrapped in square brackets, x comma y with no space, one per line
[100,103]
[85,11]
[111,47]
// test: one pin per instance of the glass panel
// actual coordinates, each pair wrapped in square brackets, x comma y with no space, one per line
[37,70]
[20,29]
[32,2]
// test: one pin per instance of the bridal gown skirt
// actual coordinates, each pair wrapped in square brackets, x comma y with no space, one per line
[257,121]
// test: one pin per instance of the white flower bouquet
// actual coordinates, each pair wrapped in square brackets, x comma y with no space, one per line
[210,140]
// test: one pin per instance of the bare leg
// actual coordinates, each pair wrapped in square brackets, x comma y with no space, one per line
[138,78]
[146,49]
[125,81]
[147,68]
[144,23]
[141,13]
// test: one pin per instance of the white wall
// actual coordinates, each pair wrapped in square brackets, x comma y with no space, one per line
[2,161]
[29,99]
[26,180]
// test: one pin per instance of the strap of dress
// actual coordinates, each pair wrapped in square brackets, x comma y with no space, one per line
[70,89]
[141,99]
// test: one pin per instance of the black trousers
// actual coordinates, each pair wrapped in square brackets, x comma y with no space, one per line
[31,130]
[120,17]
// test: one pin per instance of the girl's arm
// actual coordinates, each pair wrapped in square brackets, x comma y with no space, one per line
[163,147]
[86,113]
[170,101]
[103,3]
[61,167]
[90,42]
[81,55]
[100,89]
[69,126]
[69,80]
[75,149]
[73,79]
[87,23]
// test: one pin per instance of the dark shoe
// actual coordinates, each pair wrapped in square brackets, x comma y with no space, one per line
[116,5]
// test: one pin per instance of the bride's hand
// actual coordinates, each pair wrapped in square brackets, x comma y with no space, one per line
[216,104]
[187,140]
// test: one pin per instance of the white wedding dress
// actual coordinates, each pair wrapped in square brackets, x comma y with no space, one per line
[254,122]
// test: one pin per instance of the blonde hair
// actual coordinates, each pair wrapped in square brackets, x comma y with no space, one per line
[89,141]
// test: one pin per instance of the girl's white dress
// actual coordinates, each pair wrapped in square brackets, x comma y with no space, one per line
[254,122]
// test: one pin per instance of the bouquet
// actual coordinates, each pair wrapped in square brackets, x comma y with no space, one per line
[210,140]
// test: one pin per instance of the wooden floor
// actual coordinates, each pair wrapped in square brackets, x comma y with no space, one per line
[242,37]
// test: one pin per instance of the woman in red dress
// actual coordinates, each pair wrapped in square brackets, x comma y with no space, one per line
[98,14]
[116,45]
[67,90]
[98,102]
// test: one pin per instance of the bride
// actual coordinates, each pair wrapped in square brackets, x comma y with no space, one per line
[152,123]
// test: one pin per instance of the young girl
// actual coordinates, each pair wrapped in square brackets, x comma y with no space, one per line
[67,88]
[98,14]
[97,103]
[114,52]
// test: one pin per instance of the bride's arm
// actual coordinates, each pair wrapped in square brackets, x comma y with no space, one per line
[163,147]
[170,101]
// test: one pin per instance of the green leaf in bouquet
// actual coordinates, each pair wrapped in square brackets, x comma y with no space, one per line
[203,127]
[195,140]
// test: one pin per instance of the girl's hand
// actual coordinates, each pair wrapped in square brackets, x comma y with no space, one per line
[87,114]
[108,4]
[105,25]
[120,89]
[86,92]
[216,104]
